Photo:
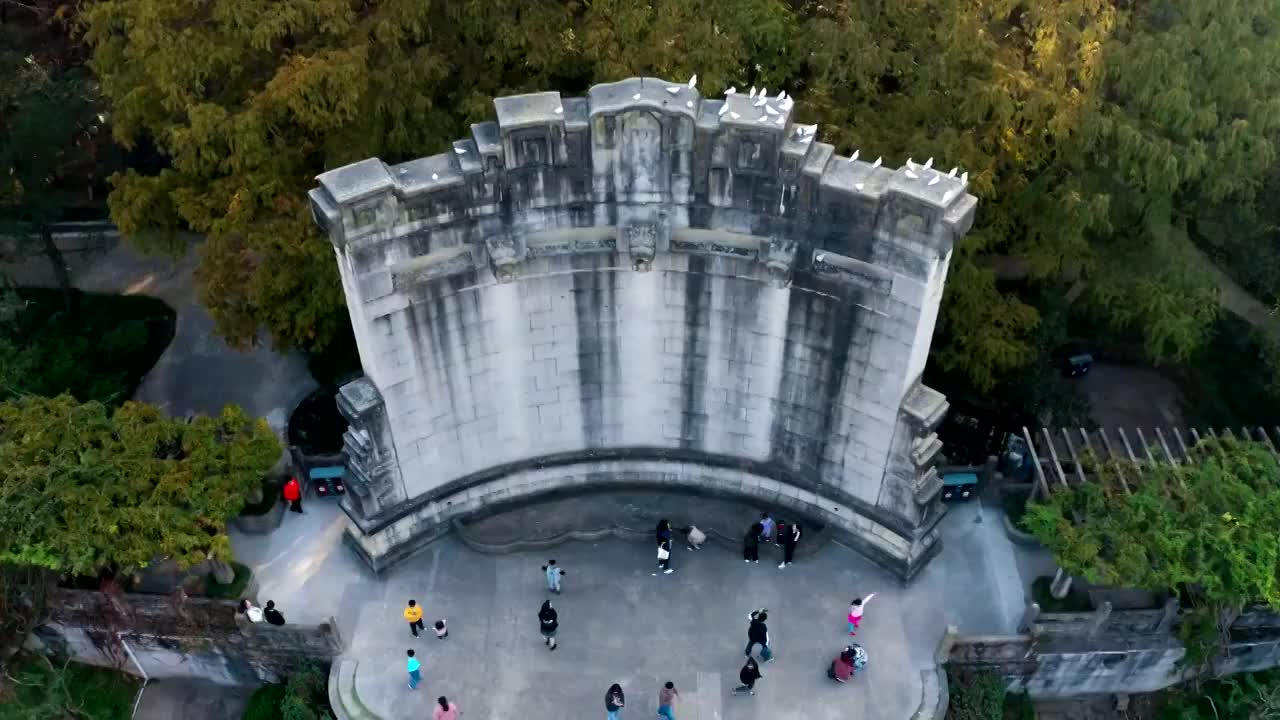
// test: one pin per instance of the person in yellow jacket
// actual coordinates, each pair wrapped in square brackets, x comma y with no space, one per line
[413,614]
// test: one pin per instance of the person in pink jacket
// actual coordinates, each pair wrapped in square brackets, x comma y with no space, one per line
[855,612]
[445,710]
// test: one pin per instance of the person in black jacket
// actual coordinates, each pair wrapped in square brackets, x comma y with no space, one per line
[751,544]
[662,533]
[550,622]
[758,633]
[272,615]
[748,675]
[614,701]
[789,540]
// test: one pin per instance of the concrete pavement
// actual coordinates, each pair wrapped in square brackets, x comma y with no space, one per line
[619,623]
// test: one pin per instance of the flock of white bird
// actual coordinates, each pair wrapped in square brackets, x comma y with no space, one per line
[761,99]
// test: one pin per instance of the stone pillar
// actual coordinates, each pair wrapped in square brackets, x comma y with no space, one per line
[948,642]
[373,477]
[1061,584]
[1170,615]
[1029,616]
[1099,618]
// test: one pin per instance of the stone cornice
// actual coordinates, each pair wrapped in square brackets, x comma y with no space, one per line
[645,158]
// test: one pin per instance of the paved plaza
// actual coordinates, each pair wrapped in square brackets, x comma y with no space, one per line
[619,623]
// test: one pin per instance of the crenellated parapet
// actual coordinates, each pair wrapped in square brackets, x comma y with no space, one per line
[644,283]
[649,158]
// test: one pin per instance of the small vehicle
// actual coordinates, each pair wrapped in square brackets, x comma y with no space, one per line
[959,486]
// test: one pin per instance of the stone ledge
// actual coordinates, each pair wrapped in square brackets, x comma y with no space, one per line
[934,695]
[1017,536]
[344,700]
[263,524]
[815,537]
[860,531]
[707,461]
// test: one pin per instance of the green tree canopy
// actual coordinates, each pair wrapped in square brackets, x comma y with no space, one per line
[50,132]
[1082,123]
[1206,528]
[82,488]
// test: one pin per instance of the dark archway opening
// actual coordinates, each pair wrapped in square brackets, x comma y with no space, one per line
[316,426]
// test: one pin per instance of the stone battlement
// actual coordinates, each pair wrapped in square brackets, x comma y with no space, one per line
[643,287]
[656,161]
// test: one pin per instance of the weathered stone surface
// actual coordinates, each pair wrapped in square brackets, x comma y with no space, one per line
[1068,655]
[199,638]
[616,284]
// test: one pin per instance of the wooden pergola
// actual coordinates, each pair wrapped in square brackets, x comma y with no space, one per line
[1073,443]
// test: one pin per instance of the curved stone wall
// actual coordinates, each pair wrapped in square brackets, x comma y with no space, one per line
[643,286]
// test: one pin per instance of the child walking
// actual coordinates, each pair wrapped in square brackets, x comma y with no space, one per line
[415,671]
[855,612]
[554,573]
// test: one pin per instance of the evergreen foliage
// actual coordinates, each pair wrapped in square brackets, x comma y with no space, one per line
[1093,131]
[1205,529]
[83,488]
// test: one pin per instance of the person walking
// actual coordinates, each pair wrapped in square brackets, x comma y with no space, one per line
[553,573]
[751,544]
[549,621]
[694,537]
[748,676]
[789,540]
[413,614]
[666,698]
[664,557]
[414,667]
[855,612]
[767,527]
[614,701]
[663,532]
[758,634]
[271,614]
[445,710]
[293,494]
[442,630]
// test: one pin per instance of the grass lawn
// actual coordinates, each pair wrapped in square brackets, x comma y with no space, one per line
[101,352]
[90,693]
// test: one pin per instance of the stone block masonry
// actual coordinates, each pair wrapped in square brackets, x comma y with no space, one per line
[642,286]
[197,638]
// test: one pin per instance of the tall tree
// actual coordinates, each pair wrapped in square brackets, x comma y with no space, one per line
[49,124]
[252,100]
[82,488]
[1189,127]
[1064,112]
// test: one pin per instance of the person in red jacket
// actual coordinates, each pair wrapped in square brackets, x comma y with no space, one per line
[293,493]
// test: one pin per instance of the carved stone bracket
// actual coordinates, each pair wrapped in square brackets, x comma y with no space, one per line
[780,259]
[504,256]
[372,471]
[641,241]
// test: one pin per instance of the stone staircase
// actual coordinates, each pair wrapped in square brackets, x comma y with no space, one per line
[343,698]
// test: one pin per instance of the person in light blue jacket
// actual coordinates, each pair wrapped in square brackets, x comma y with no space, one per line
[554,573]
